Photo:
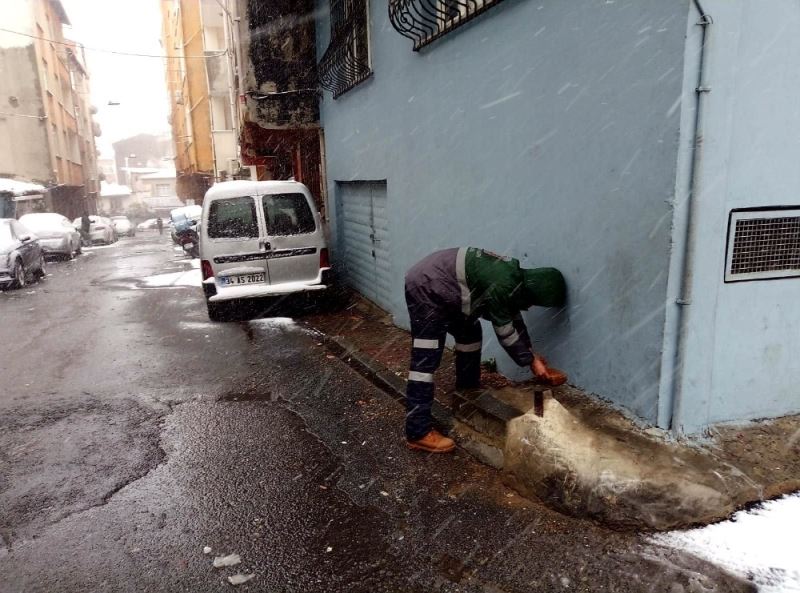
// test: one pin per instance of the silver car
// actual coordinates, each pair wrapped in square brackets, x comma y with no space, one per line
[21,256]
[56,234]
[123,226]
[101,229]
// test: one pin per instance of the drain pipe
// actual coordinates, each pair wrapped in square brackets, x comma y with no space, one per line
[684,301]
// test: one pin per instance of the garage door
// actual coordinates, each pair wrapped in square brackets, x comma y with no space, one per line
[364,236]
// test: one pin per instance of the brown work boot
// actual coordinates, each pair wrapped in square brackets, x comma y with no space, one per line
[433,442]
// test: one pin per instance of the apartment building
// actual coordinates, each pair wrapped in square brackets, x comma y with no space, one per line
[202,103]
[45,85]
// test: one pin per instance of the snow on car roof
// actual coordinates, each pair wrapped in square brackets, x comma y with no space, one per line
[241,187]
[42,220]
[42,216]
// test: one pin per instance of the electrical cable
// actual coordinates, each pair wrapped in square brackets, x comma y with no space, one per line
[39,117]
[115,52]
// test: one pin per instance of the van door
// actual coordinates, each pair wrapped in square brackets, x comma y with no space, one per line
[294,237]
[237,248]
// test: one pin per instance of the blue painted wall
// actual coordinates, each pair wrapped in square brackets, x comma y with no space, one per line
[545,130]
[742,350]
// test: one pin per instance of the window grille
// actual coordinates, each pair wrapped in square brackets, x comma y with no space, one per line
[346,62]
[424,21]
[763,245]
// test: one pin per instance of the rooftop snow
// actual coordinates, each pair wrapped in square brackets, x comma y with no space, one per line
[159,174]
[20,188]
[114,189]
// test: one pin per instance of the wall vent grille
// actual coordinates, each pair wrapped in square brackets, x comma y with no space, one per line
[763,245]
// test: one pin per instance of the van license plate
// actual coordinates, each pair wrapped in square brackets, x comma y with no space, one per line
[242,279]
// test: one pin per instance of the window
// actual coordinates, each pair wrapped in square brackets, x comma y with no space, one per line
[346,62]
[234,218]
[424,21]
[288,214]
[162,190]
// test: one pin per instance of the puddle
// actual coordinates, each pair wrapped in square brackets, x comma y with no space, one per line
[758,544]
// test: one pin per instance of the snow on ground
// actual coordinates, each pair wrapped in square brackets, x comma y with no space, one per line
[174,279]
[760,544]
[278,323]
[274,323]
[204,325]
[96,247]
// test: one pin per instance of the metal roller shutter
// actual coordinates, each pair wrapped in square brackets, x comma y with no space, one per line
[364,235]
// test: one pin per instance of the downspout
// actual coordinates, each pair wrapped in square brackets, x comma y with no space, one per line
[233,68]
[684,301]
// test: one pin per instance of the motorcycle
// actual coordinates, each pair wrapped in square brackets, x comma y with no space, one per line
[188,238]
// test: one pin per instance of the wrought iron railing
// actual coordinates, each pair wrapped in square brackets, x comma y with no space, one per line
[346,63]
[425,21]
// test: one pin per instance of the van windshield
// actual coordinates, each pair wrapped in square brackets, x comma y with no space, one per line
[233,218]
[288,214]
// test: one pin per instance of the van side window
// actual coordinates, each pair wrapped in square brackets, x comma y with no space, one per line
[233,218]
[288,214]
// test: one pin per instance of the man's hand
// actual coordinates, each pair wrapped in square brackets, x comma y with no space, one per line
[545,374]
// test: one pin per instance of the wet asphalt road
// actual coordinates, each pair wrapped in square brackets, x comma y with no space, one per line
[133,433]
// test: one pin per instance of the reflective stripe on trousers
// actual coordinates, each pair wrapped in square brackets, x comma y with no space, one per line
[427,346]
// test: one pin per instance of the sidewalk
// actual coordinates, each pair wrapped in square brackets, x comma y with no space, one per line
[575,452]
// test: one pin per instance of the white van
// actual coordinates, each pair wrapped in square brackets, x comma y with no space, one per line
[260,238]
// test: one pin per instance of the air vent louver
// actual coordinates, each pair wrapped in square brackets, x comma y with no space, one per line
[763,245]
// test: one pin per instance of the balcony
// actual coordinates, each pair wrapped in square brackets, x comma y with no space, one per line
[425,21]
[346,62]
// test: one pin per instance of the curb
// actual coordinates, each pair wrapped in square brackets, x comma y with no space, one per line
[382,377]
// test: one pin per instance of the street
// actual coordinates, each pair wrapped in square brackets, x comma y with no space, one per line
[134,433]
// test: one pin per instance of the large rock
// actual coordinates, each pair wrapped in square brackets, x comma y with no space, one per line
[582,456]
[601,468]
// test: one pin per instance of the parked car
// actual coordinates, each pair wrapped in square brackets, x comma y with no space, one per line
[101,229]
[57,235]
[147,225]
[21,255]
[260,238]
[123,227]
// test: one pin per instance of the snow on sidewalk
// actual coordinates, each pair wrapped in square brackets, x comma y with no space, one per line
[191,277]
[760,544]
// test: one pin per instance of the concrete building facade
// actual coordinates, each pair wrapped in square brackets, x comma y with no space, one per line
[43,88]
[202,107]
[586,137]
[280,133]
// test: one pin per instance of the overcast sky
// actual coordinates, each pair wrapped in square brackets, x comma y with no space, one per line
[137,83]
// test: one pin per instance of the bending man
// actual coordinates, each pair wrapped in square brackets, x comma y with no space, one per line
[447,292]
